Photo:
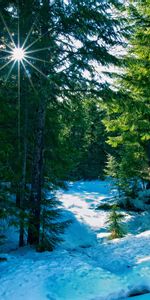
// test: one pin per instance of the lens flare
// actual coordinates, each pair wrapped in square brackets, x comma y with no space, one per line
[18,54]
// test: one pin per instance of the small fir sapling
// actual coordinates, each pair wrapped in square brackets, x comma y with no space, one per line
[115,223]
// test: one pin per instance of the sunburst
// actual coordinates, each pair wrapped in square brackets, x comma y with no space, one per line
[20,54]
[14,53]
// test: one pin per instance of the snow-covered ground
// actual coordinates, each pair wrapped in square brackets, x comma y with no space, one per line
[87,266]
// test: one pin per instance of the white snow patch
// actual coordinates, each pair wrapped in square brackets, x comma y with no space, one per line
[87,266]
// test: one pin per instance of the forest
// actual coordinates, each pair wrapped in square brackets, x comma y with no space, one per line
[74,149]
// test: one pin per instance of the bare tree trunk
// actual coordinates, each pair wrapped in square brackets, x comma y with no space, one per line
[20,196]
[36,187]
[148,154]
[37,171]
[23,181]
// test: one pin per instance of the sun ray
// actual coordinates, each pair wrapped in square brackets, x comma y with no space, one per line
[35,68]
[19,54]
[5,57]
[27,37]
[5,64]
[10,71]
[36,58]
[4,50]
[34,42]
[37,50]
[18,33]
[10,35]
[19,103]
[29,77]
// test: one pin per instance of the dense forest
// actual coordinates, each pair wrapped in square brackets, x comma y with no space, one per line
[74,149]
[74,104]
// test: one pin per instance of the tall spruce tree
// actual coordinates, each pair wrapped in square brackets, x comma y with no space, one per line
[128,112]
[73,37]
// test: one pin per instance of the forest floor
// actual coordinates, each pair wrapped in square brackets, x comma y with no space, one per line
[87,265]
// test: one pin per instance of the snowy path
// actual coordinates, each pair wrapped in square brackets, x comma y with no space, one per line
[84,268]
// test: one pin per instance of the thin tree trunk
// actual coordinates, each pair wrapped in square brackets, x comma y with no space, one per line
[20,196]
[36,187]
[148,154]
[23,181]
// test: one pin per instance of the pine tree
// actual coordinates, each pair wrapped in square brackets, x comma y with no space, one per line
[71,78]
[128,112]
[115,225]
[74,36]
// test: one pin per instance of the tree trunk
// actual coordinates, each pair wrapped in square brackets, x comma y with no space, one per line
[20,196]
[36,186]
[37,171]
[23,181]
[148,154]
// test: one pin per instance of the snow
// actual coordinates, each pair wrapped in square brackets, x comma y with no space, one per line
[86,266]
[143,297]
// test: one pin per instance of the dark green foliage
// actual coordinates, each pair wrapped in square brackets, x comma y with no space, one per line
[127,205]
[128,112]
[52,222]
[3,259]
[105,206]
[125,180]
[115,225]
[5,205]
[10,212]
[92,162]
[84,135]
[55,130]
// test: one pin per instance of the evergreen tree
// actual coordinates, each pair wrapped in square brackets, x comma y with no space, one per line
[115,225]
[73,37]
[93,159]
[52,221]
[128,112]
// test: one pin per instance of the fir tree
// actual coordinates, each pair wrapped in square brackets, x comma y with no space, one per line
[75,36]
[128,111]
[115,225]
